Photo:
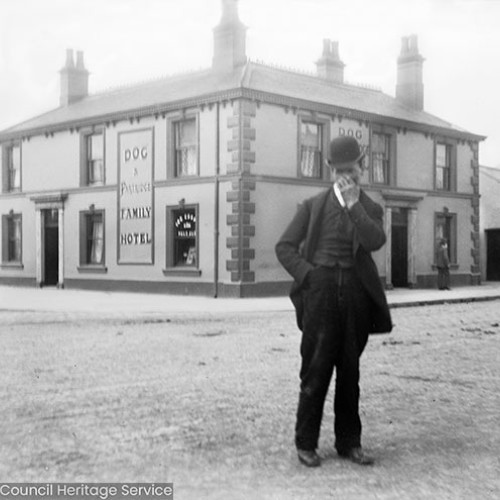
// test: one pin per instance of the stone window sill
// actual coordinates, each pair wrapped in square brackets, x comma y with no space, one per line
[92,269]
[12,265]
[454,266]
[182,271]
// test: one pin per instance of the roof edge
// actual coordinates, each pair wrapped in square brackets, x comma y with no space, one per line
[291,103]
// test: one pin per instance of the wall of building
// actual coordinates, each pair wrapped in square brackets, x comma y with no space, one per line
[276,206]
[415,161]
[57,154]
[248,161]
[276,142]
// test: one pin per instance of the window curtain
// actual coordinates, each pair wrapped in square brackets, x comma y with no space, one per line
[95,157]
[310,162]
[96,171]
[379,158]
[96,251]
[378,168]
[15,167]
[186,148]
[15,240]
[310,147]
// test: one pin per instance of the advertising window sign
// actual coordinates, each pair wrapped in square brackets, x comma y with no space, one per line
[135,197]
[185,237]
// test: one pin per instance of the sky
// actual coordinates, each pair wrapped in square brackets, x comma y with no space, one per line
[129,41]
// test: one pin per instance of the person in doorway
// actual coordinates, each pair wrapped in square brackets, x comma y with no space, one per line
[443,266]
[338,297]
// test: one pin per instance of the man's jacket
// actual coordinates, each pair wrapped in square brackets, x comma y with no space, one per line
[297,245]
[442,258]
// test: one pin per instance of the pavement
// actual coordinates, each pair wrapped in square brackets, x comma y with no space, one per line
[71,300]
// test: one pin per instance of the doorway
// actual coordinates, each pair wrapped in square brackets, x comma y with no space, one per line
[51,247]
[493,255]
[399,247]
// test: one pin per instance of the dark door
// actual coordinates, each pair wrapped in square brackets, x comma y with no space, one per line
[399,248]
[493,255]
[51,248]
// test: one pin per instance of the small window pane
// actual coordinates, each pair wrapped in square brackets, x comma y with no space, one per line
[95,155]
[439,178]
[441,155]
[187,133]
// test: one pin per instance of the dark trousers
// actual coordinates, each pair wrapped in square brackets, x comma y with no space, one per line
[335,332]
[443,278]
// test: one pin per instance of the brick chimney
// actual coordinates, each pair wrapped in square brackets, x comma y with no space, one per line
[410,86]
[74,79]
[229,39]
[330,67]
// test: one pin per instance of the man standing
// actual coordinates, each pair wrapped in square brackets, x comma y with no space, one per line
[443,265]
[338,299]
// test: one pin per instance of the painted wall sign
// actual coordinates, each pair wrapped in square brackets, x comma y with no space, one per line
[135,197]
[352,128]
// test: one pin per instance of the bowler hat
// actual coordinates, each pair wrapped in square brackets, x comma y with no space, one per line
[344,150]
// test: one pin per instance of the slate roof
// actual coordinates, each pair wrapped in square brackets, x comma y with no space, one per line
[254,79]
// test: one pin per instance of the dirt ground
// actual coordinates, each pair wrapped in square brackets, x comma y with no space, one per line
[207,401]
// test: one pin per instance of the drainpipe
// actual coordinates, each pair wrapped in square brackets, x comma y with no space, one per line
[216,200]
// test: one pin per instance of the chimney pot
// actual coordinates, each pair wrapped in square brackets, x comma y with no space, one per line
[413,44]
[69,59]
[405,46]
[326,46]
[79,60]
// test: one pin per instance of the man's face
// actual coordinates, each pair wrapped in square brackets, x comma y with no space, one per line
[352,172]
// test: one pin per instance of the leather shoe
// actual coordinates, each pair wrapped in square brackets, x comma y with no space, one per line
[309,458]
[357,455]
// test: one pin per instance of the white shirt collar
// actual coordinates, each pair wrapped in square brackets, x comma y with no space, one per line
[339,196]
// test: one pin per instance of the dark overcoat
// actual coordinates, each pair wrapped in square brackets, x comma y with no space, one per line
[297,245]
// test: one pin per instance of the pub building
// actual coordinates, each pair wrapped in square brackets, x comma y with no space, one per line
[183,185]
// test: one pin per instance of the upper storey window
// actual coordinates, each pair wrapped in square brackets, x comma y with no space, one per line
[445,164]
[311,149]
[12,168]
[381,158]
[382,155]
[95,158]
[92,166]
[186,147]
[12,238]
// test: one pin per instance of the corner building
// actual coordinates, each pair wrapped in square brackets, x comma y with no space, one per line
[184,184]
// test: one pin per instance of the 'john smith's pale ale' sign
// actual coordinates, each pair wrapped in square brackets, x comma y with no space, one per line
[135,197]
